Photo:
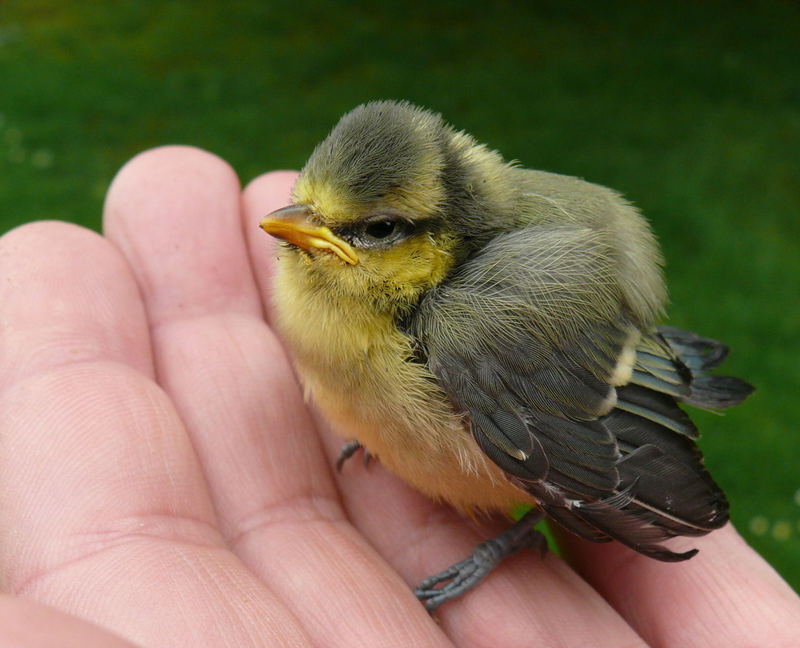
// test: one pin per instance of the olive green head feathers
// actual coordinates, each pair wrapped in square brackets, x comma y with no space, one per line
[394,155]
[400,186]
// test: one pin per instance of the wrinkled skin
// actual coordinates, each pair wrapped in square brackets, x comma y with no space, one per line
[162,480]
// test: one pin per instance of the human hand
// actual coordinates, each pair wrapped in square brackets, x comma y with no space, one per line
[161,477]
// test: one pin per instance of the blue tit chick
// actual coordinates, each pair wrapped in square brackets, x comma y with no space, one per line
[490,333]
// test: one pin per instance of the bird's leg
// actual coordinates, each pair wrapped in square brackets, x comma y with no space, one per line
[463,576]
[348,450]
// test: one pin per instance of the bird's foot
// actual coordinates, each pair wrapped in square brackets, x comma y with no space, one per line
[463,576]
[348,450]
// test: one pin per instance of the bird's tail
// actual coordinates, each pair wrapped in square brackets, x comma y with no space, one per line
[699,355]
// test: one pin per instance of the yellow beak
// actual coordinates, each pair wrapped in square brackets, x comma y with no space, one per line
[292,224]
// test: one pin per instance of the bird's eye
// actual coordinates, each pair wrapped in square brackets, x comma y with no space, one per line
[381,229]
[378,231]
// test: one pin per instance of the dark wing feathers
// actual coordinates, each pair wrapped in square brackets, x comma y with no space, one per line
[605,462]
[575,524]
[655,406]
[632,431]
[570,385]
[584,454]
[599,350]
[694,508]
[506,430]
[532,470]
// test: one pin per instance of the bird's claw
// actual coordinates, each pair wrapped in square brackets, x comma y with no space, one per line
[463,576]
[349,448]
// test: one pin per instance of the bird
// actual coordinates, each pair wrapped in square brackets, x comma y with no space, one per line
[492,335]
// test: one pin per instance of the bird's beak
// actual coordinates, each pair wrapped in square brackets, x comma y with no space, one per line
[292,224]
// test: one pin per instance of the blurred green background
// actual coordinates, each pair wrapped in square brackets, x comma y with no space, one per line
[691,109]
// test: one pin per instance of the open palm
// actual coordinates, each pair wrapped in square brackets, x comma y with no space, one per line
[162,478]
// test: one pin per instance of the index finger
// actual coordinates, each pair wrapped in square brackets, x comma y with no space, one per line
[234,389]
[727,595]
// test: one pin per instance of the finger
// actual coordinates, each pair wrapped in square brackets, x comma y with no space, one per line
[727,595]
[30,624]
[361,578]
[262,196]
[235,390]
[103,511]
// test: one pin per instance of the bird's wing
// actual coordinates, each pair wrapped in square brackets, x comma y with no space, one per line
[574,398]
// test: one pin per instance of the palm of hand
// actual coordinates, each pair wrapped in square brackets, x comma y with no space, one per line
[162,477]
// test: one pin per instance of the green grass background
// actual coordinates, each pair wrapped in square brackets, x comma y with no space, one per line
[691,109]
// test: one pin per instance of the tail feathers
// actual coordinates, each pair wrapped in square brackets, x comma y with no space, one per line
[675,363]
[699,354]
[717,392]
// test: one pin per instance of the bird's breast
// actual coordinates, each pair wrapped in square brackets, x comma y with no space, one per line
[360,371]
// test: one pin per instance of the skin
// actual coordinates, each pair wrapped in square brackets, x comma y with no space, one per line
[162,480]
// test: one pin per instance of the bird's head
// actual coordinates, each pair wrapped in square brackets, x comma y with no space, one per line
[388,203]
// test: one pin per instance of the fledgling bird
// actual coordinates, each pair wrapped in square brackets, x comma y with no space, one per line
[489,332]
